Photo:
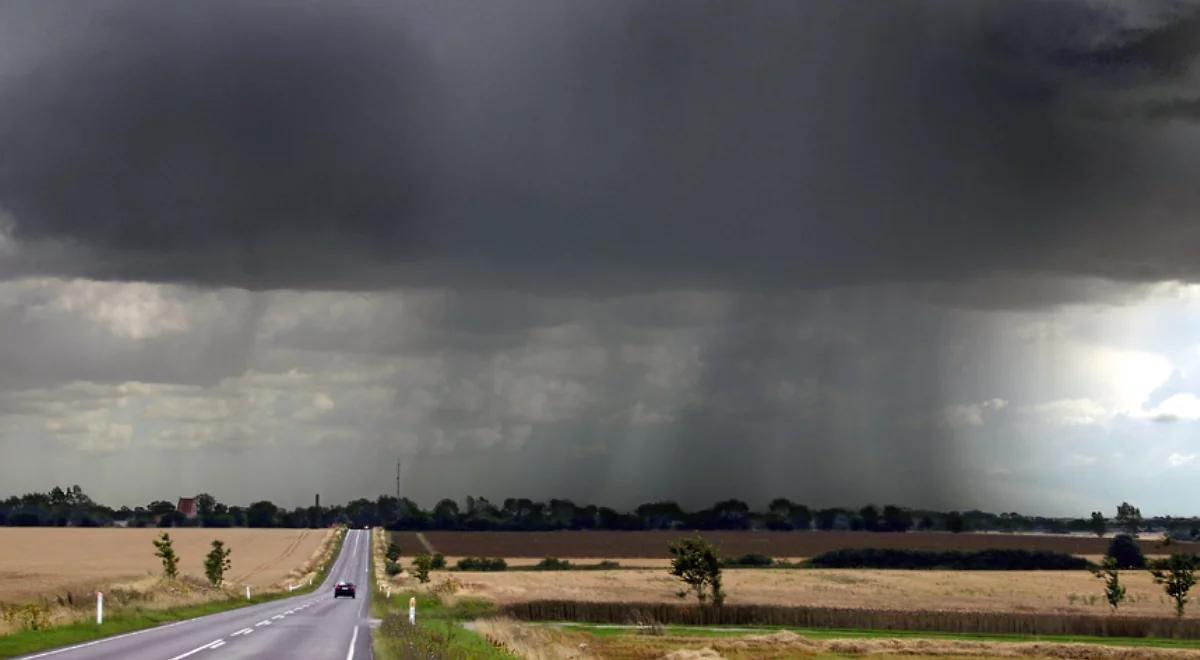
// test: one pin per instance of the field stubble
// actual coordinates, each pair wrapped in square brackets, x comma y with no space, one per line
[55,572]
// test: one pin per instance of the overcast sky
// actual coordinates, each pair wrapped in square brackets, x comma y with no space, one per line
[929,253]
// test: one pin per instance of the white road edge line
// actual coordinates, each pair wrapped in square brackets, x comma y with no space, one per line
[219,644]
[264,622]
[353,639]
[106,639]
[243,631]
[277,617]
[198,649]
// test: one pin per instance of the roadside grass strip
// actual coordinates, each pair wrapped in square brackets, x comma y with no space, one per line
[439,631]
[134,620]
[610,630]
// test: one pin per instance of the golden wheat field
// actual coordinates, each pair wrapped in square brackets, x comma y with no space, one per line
[991,591]
[38,562]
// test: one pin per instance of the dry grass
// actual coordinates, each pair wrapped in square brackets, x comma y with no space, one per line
[1063,592]
[542,643]
[38,561]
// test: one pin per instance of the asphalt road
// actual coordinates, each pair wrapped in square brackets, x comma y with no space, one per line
[310,626]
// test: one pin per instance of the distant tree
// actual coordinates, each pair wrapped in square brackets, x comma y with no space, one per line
[1129,518]
[1177,575]
[1125,552]
[438,561]
[696,563]
[870,518]
[955,522]
[827,519]
[1098,525]
[165,550]
[1114,591]
[159,507]
[785,514]
[445,514]
[422,563]
[661,515]
[217,562]
[925,524]
[205,508]
[263,514]
[896,519]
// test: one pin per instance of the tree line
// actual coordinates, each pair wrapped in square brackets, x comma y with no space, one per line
[72,507]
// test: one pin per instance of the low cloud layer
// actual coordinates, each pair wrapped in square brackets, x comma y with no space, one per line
[917,252]
[610,147]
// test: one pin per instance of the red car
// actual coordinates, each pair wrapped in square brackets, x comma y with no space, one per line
[343,589]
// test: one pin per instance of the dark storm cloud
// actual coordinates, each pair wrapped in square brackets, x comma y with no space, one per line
[588,146]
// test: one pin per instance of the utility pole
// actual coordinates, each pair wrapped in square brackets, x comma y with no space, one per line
[397,481]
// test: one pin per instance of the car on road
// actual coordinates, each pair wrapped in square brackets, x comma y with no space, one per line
[343,589]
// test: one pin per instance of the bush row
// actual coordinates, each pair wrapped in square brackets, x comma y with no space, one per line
[1009,623]
[482,564]
[981,560]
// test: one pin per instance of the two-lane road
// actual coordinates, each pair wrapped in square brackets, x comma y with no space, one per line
[310,626]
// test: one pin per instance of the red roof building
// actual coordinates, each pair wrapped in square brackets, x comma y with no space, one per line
[187,506]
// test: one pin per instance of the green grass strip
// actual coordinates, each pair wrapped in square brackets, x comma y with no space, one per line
[851,633]
[119,622]
[439,631]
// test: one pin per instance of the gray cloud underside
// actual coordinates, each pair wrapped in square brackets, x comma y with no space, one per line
[619,146]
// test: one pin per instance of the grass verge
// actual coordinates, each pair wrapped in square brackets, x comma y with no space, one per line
[834,633]
[126,621]
[439,632]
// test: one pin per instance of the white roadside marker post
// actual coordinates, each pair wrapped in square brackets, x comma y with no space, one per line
[247,592]
[412,611]
[99,607]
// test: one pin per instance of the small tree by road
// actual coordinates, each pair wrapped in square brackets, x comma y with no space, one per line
[165,550]
[422,563]
[1098,525]
[1177,575]
[217,562]
[1114,591]
[696,563]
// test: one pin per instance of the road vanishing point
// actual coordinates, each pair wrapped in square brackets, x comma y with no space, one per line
[314,625]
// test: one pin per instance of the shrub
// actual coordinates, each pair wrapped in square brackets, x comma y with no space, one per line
[553,564]
[438,562]
[1125,551]
[422,564]
[482,564]
[391,567]
[982,560]
[392,552]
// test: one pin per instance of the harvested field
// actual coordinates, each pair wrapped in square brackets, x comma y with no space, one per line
[37,562]
[653,544]
[1062,592]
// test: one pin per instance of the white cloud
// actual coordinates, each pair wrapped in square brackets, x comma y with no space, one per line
[1179,460]
[969,415]
[1179,407]
[1070,412]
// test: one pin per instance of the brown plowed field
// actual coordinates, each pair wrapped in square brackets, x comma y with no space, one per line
[622,545]
[38,562]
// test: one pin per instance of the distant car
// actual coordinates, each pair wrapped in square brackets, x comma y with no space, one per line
[343,589]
